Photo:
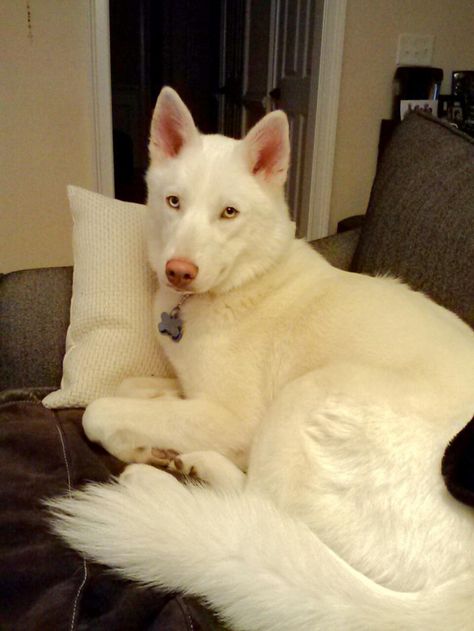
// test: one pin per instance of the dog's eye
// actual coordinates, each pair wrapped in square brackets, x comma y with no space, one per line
[229,213]
[173,201]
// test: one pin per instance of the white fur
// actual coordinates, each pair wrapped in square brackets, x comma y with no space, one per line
[336,392]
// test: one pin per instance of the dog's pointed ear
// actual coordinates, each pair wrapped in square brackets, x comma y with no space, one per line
[267,146]
[172,126]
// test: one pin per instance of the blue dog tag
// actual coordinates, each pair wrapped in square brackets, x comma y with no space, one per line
[171,325]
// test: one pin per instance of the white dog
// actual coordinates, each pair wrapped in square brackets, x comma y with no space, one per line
[337,394]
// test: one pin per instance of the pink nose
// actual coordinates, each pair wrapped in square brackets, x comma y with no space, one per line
[181,272]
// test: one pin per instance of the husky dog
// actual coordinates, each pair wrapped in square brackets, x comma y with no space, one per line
[315,403]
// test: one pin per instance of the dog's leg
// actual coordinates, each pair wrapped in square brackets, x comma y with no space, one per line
[147,387]
[131,428]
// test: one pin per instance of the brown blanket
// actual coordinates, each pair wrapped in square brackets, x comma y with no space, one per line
[44,586]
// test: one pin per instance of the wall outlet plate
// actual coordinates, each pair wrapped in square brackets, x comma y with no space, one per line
[415,49]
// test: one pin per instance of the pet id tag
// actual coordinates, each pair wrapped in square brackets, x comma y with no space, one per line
[171,324]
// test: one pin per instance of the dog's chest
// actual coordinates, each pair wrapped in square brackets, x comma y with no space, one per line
[240,352]
[220,356]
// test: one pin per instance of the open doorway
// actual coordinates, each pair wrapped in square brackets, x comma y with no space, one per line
[152,44]
[264,54]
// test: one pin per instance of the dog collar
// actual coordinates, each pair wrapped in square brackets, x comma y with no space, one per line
[171,324]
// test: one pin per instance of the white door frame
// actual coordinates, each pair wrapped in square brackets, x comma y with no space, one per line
[103,149]
[325,128]
[324,142]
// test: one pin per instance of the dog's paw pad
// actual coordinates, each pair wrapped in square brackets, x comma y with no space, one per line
[180,465]
[162,457]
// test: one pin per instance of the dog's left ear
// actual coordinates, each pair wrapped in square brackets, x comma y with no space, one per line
[267,146]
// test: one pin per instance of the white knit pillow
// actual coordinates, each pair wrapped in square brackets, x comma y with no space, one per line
[111,333]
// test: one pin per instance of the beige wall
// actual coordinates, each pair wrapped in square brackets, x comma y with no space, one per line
[46,135]
[369,62]
[46,127]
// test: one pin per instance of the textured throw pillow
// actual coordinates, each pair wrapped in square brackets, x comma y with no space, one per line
[111,333]
[420,220]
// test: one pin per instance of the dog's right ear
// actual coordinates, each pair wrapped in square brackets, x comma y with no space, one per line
[172,126]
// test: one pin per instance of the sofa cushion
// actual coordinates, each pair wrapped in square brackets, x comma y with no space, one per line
[111,332]
[420,220]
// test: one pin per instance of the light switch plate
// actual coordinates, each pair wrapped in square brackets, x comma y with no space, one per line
[415,49]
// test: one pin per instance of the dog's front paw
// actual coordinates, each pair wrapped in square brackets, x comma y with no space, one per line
[144,475]
[100,416]
[187,465]
[111,422]
[210,467]
[162,457]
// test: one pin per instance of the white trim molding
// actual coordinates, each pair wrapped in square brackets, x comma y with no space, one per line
[103,157]
[324,147]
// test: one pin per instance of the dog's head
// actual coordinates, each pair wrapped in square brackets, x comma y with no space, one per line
[217,210]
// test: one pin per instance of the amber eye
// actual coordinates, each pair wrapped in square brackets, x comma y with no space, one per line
[173,201]
[229,213]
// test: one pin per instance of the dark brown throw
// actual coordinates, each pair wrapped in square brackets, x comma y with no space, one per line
[45,586]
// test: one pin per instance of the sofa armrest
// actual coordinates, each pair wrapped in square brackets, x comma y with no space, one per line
[338,249]
[34,316]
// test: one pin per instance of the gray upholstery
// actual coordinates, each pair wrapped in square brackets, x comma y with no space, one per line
[338,249]
[420,221]
[34,316]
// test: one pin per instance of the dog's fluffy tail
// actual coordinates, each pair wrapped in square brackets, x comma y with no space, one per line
[258,568]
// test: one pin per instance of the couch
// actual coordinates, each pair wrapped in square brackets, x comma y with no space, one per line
[419,226]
